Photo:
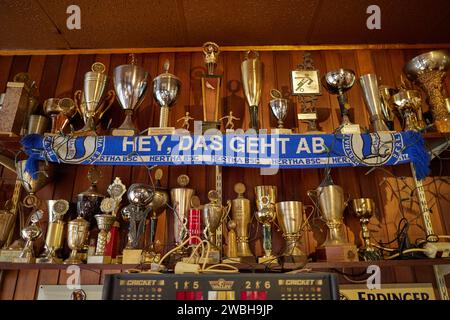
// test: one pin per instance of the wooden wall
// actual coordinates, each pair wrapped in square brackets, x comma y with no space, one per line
[61,76]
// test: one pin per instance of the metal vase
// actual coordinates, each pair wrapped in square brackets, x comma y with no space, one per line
[251,71]
[371,94]
[181,198]
[290,219]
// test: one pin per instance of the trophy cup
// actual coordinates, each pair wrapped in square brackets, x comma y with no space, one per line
[30,234]
[166,88]
[130,85]
[104,223]
[181,200]
[279,107]
[55,230]
[408,104]
[158,204]
[290,218]
[32,183]
[251,70]
[77,233]
[6,224]
[387,107]
[140,197]
[37,124]
[90,102]
[266,197]
[88,202]
[363,209]
[371,93]
[429,70]
[338,82]
[329,200]
[211,84]
[212,217]
[55,107]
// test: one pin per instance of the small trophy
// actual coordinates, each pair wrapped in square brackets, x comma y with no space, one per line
[91,103]
[181,202]
[266,197]
[166,88]
[306,86]
[371,94]
[185,120]
[211,84]
[30,234]
[77,234]
[364,208]
[409,105]
[55,108]
[229,126]
[338,82]
[279,107]
[55,230]
[387,107]
[252,73]
[88,202]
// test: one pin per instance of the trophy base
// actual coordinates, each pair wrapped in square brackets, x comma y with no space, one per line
[124,132]
[149,257]
[269,259]
[99,259]
[247,260]
[213,257]
[84,133]
[349,129]
[160,131]
[442,125]
[24,260]
[132,256]
[208,125]
[280,131]
[9,255]
[48,260]
[72,260]
[337,253]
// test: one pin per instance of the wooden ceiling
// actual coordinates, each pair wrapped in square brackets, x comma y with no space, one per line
[41,24]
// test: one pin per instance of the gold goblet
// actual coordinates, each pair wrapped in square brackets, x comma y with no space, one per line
[77,232]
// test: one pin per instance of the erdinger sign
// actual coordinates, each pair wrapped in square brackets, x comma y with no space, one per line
[403,291]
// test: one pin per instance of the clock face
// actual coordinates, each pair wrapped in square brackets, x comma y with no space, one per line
[305,82]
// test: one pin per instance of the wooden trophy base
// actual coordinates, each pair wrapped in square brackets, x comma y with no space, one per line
[99,259]
[341,253]
[131,256]
[161,131]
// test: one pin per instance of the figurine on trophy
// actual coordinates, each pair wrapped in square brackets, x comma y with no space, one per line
[30,234]
[229,126]
[185,121]
[266,197]
[279,107]
[252,74]
[338,82]
[91,103]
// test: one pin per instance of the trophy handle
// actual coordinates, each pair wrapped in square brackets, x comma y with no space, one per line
[306,217]
[77,98]
[347,195]
[227,210]
[106,103]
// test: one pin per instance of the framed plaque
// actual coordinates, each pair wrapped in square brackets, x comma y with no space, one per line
[305,82]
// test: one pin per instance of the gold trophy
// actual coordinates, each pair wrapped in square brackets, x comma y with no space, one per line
[6,224]
[387,107]
[211,84]
[55,107]
[429,70]
[329,200]
[77,234]
[371,94]
[266,197]
[279,107]
[290,218]
[90,102]
[55,230]
[252,72]
[181,200]
[32,183]
[30,234]
[409,106]
[213,214]
[364,208]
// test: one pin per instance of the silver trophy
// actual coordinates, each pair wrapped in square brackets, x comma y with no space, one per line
[371,94]
[409,105]
[30,234]
[130,85]
[252,71]
[279,107]
[181,200]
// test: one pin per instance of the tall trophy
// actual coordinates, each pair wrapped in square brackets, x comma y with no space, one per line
[33,182]
[329,200]
[363,208]
[92,103]
[279,107]
[429,70]
[290,218]
[181,200]
[252,71]
[166,88]
[55,230]
[266,197]
[140,197]
[371,94]
[338,82]
[116,190]
[30,234]
[409,105]
[88,202]
[130,85]
[241,215]
[211,84]
[387,107]
[55,107]
[213,215]
[77,234]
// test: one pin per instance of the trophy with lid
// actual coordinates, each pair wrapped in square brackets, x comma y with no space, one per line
[77,234]
[88,202]
[181,201]
[166,88]
[266,197]
[130,85]
[252,71]
[92,103]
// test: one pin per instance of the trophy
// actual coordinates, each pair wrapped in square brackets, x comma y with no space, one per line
[140,197]
[185,120]
[195,221]
[338,82]
[371,94]
[213,215]
[88,202]
[211,84]
[387,107]
[408,104]
[90,102]
[232,241]
[241,215]
[37,124]
[55,230]
[158,204]
[279,107]
[290,218]
[251,70]
[266,197]
[181,200]
[363,209]
[30,234]
[229,126]
[115,190]
[166,88]
[429,70]
[34,182]
[77,233]
[130,85]
[6,223]
[55,107]
[329,200]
